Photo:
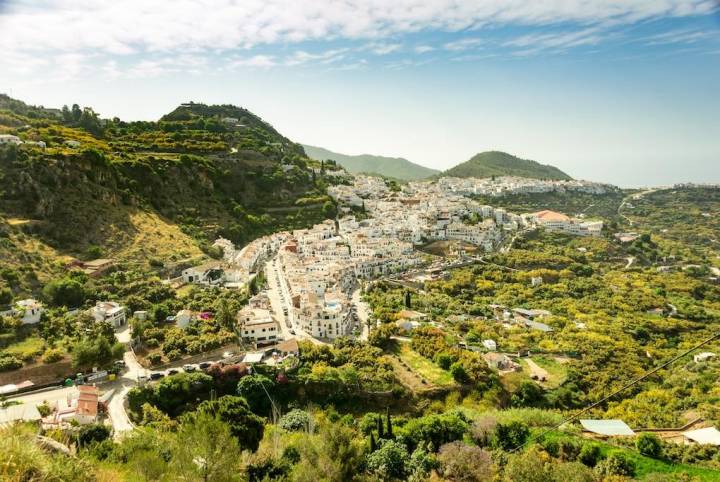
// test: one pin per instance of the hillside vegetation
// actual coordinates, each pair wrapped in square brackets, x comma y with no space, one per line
[393,167]
[496,163]
[142,190]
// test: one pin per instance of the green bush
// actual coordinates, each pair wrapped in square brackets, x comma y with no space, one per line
[616,463]
[589,454]
[649,444]
[8,362]
[52,355]
[154,358]
[295,420]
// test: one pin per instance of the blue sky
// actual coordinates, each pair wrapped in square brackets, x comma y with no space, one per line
[624,91]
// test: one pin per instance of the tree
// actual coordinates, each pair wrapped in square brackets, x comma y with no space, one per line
[97,352]
[205,449]
[333,454]
[381,431]
[295,420]
[93,433]
[389,431]
[589,454]
[649,444]
[255,389]
[511,435]
[616,463]
[64,292]
[464,463]
[5,296]
[529,394]
[390,461]
[244,425]
[408,300]
[224,315]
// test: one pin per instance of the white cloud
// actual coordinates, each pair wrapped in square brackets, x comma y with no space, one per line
[421,49]
[679,37]
[558,40]
[263,61]
[134,26]
[381,48]
[463,44]
[328,56]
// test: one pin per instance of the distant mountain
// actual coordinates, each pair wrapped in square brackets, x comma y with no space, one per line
[395,167]
[496,163]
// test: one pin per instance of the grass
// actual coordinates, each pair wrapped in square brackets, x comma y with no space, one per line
[26,349]
[424,367]
[645,466]
[556,371]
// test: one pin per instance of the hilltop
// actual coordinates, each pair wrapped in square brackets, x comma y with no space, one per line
[393,167]
[496,163]
[160,192]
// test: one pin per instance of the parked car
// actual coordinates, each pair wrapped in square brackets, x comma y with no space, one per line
[204,365]
[228,354]
[189,368]
[173,371]
[119,363]
[156,375]
[292,332]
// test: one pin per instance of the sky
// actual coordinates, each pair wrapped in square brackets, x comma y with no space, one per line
[620,91]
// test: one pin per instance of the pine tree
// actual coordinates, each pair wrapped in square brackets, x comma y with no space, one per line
[380,427]
[389,430]
[373,444]
[408,300]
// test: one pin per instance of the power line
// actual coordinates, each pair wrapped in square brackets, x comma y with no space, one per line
[623,388]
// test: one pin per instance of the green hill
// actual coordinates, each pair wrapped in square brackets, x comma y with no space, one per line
[393,167]
[496,163]
[145,191]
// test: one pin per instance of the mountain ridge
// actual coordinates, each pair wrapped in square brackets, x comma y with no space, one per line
[393,167]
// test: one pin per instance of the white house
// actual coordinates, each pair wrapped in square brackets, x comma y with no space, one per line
[257,325]
[210,273]
[109,311]
[9,139]
[183,318]
[490,345]
[30,309]
[704,356]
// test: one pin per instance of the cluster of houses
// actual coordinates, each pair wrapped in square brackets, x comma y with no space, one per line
[237,267]
[30,311]
[422,212]
[506,185]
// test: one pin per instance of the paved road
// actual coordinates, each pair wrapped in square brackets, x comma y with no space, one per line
[363,313]
[280,300]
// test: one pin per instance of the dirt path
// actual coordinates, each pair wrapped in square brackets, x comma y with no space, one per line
[536,370]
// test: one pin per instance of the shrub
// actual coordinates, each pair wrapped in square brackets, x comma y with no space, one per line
[589,454]
[444,360]
[511,435]
[390,461]
[648,444]
[154,358]
[295,420]
[616,463]
[465,463]
[93,433]
[52,355]
[8,362]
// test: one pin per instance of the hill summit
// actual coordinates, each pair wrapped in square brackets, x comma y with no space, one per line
[497,163]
